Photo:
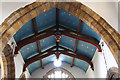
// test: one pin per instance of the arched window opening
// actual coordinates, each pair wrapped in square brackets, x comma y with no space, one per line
[58,73]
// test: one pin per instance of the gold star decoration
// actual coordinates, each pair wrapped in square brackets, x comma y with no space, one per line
[92,49]
[85,68]
[68,57]
[30,69]
[77,60]
[43,41]
[24,54]
[86,28]
[21,31]
[40,23]
[36,62]
[69,14]
[27,48]
[76,64]
[51,12]
[73,23]
[45,14]
[70,40]
[68,60]
[32,46]
[45,61]
[86,65]
[27,28]
[44,10]
[87,47]
[82,45]
[64,12]
[92,30]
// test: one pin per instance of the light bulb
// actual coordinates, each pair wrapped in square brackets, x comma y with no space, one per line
[57,63]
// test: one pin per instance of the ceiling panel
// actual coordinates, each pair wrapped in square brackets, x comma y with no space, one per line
[68,20]
[25,31]
[46,19]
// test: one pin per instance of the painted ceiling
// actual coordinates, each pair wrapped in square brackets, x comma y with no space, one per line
[47,20]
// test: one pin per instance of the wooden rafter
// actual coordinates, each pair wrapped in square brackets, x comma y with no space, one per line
[51,51]
[76,42]
[38,57]
[34,38]
[38,42]
[51,31]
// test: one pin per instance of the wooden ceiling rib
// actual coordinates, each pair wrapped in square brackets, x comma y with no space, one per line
[51,51]
[38,42]
[50,32]
[76,42]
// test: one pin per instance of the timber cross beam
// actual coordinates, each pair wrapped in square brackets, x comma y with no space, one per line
[52,31]
[63,51]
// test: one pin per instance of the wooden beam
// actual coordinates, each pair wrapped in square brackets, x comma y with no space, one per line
[39,48]
[38,57]
[35,25]
[51,51]
[65,32]
[73,34]
[76,42]
[38,42]
[57,17]
[69,52]
[46,33]
[64,51]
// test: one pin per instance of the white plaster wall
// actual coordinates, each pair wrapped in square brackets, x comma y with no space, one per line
[18,65]
[10,7]
[111,62]
[76,72]
[107,10]
[100,68]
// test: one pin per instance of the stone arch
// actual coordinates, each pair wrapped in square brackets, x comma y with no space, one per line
[18,18]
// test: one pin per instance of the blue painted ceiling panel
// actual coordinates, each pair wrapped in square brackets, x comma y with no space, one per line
[77,62]
[47,42]
[67,42]
[86,49]
[81,64]
[46,19]
[25,31]
[28,50]
[49,59]
[68,20]
[34,66]
[89,31]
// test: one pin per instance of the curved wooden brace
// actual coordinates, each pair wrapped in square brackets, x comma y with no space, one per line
[51,52]
[52,31]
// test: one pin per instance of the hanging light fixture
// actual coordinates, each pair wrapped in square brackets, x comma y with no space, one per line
[57,63]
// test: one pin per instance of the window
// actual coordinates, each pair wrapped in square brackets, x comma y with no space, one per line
[58,73]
